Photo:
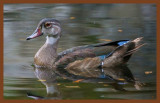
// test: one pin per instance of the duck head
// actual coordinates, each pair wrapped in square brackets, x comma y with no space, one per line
[47,26]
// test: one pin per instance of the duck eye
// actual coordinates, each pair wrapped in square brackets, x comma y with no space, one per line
[47,25]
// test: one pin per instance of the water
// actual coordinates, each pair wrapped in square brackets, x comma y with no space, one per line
[82,24]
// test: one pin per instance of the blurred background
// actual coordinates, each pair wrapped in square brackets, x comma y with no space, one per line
[82,24]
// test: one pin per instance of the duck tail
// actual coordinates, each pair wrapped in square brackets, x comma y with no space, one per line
[137,46]
[133,50]
[133,46]
[123,52]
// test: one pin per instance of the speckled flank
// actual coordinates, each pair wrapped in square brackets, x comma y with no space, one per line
[86,67]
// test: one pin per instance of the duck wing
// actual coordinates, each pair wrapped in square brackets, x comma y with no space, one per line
[91,60]
[84,60]
[82,52]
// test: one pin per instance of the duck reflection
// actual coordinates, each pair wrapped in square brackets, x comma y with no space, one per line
[48,78]
[117,77]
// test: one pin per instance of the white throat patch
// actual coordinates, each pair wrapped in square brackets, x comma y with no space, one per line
[51,40]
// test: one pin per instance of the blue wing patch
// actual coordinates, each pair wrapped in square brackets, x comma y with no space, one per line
[102,57]
[122,42]
[102,76]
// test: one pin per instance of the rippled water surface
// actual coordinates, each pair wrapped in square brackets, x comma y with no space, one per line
[82,24]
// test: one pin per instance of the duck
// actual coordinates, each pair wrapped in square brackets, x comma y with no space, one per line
[95,61]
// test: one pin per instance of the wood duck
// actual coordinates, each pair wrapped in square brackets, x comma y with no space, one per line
[89,61]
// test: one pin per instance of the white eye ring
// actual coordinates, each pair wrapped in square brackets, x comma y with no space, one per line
[47,25]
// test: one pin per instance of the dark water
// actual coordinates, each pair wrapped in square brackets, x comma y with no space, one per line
[82,24]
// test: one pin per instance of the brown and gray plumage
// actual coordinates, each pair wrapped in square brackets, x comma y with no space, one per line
[89,61]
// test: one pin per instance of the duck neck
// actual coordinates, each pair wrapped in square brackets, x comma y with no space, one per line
[53,41]
[48,52]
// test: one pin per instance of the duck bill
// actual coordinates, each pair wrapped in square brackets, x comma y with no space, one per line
[37,33]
